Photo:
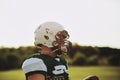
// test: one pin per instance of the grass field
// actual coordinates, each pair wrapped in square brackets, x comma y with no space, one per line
[76,73]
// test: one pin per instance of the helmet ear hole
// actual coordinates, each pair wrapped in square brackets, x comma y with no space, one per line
[40,45]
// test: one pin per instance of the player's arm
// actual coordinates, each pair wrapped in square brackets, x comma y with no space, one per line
[36,77]
[34,69]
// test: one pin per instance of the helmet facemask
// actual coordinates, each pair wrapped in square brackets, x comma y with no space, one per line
[61,45]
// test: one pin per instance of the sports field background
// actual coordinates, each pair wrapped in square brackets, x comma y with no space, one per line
[76,73]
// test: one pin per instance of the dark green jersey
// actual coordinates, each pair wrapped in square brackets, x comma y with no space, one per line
[52,68]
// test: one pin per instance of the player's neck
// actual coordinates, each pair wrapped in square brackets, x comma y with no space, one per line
[52,55]
[49,53]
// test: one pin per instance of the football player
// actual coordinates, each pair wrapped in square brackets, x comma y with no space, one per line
[51,40]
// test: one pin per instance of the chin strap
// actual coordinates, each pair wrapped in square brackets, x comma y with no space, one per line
[65,49]
[54,50]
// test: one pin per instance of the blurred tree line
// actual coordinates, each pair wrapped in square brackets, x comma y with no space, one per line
[12,58]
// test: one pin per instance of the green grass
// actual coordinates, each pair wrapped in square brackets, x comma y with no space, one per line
[76,73]
[104,73]
[12,75]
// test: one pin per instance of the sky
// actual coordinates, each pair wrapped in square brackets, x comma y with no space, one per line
[89,22]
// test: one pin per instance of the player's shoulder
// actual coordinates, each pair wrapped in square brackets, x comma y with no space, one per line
[33,58]
[33,63]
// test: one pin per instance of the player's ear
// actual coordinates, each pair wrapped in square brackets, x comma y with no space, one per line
[38,48]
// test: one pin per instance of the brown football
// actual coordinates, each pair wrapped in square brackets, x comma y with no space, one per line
[91,78]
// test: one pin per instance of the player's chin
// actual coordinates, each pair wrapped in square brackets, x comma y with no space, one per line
[92,77]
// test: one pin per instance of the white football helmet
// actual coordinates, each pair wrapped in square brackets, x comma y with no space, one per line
[50,34]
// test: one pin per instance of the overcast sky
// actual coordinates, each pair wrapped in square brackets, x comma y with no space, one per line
[89,22]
